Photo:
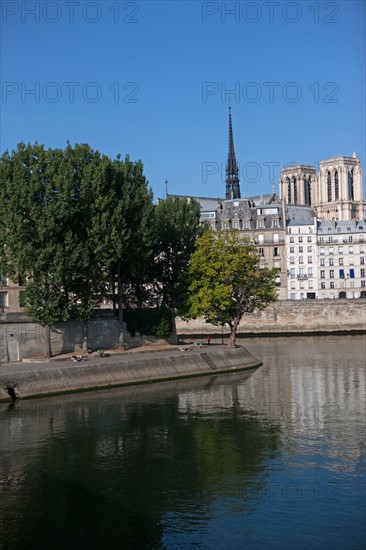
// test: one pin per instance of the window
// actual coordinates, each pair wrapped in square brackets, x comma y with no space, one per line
[350,249]
[352,273]
[329,187]
[292,272]
[362,272]
[261,251]
[350,239]
[322,285]
[292,259]
[309,239]
[321,240]
[310,283]
[292,240]
[340,250]
[260,224]
[310,248]
[310,271]
[340,261]
[310,259]
[351,260]
[322,261]
[3,299]
[322,274]
[301,285]
[301,248]
[350,186]
[275,223]
[236,225]
[362,260]
[331,284]
[275,251]
[336,186]
[300,239]
[363,284]
[341,273]
[247,224]
[260,238]
[301,259]
[292,249]
[331,250]
[292,296]
[331,274]
[276,237]
[301,271]
[293,285]
[331,261]
[330,239]
[322,250]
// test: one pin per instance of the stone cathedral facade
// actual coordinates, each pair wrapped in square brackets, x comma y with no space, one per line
[334,191]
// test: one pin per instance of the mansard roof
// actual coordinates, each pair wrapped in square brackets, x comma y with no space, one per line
[299,215]
[342,226]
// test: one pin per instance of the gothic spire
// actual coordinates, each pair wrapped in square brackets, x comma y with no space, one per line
[232,171]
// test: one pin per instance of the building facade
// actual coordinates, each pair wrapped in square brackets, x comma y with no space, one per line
[301,253]
[335,191]
[341,259]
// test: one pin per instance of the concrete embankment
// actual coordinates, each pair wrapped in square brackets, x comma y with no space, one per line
[57,377]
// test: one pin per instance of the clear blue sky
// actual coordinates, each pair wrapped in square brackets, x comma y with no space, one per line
[152,80]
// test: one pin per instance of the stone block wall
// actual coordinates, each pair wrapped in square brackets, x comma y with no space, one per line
[289,316]
[22,339]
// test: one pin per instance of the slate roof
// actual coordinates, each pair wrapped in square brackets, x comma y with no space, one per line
[342,226]
[299,215]
[207,204]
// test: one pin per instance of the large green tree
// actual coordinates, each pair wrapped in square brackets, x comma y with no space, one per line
[176,228]
[227,280]
[121,226]
[45,205]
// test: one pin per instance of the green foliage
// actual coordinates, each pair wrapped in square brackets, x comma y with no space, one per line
[227,281]
[149,321]
[44,222]
[72,221]
[176,227]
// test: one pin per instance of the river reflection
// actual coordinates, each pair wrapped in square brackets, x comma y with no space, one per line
[271,458]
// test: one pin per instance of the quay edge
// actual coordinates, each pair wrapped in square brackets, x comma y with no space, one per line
[122,371]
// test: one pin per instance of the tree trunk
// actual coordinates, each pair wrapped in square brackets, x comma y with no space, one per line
[114,301]
[85,335]
[233,328]
[47,341]
[121,338]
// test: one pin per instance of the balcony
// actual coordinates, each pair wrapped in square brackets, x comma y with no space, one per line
[302,277]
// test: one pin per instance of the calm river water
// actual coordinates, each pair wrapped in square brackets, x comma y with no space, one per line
[269,459]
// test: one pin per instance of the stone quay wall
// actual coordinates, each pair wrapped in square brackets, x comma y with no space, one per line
[20,338]
[289,317]
[42,380]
